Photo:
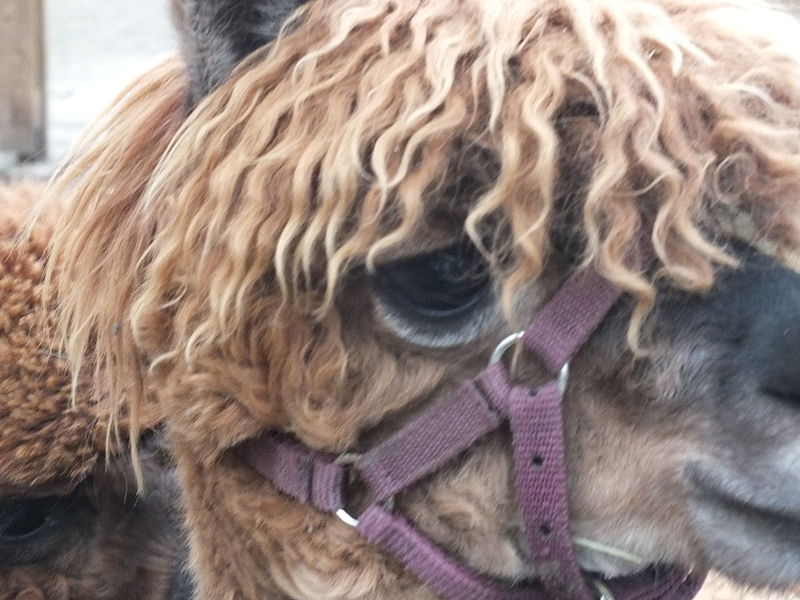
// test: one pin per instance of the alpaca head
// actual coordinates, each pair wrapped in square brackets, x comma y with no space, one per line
[343,224]
[72,526]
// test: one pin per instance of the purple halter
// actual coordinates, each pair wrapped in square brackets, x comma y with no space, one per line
[450,427]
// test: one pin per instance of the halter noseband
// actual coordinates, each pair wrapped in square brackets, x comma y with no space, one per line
[450,427]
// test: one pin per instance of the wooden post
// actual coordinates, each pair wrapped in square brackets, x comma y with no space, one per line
[22,77]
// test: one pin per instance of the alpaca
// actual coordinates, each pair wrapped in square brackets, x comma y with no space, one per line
[310,237]
[71,526]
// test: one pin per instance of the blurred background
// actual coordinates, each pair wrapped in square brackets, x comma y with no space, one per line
[61,62]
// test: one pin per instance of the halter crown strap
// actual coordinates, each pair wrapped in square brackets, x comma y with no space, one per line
[567,321]
[445,431]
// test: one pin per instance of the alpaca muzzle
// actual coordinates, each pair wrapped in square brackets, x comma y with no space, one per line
[444,432]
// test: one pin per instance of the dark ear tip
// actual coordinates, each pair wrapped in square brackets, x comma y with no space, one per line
[216,34]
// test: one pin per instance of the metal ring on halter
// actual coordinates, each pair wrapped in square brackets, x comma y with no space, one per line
[347,459]
[563,379]
[602,589]
[346,518]
[503,346]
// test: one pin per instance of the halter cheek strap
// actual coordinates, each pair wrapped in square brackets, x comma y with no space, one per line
[444,432]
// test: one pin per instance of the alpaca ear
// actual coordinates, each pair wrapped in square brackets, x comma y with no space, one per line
[216,34]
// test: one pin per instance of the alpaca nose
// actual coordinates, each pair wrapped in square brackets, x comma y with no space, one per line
[767,297]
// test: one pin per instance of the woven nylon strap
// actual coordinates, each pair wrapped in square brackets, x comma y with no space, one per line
[444,431]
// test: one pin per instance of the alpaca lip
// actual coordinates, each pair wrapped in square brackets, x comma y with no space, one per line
[747,531]
[768,521]
[790,400]
[733,493]
[734,516]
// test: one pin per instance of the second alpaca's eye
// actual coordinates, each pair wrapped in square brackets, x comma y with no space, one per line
[23,519]
[32,528]
[437,286]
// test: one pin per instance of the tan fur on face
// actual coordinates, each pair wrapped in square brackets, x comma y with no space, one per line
[226,251]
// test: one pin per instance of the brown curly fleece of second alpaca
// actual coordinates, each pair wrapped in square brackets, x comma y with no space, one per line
[102,541]
[34,382]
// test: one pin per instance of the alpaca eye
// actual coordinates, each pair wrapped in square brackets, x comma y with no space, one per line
[23,520]
[439,286]
[31,528]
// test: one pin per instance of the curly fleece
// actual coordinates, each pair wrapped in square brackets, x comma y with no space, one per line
[43,438]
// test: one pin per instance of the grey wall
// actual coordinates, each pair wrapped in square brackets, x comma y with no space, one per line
[94,47]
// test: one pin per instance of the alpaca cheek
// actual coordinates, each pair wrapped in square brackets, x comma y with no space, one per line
[632,429]
[202,406]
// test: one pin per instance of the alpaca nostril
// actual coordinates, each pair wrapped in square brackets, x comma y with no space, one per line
[766,296]
[778,366]
[791,398]
[780,379]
